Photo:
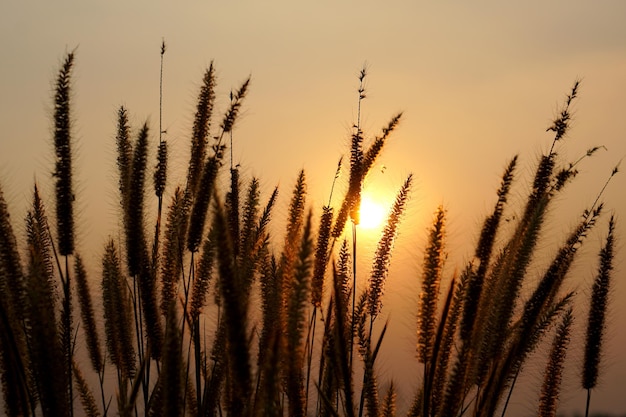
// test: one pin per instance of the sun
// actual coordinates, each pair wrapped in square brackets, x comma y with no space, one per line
[372,213]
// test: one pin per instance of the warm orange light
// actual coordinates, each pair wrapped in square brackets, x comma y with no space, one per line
[372,213]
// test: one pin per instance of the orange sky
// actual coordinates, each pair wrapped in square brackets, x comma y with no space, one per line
[478,82]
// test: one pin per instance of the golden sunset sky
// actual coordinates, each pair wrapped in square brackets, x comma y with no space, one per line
[478,82]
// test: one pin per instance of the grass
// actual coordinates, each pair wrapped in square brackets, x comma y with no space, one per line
[213,316]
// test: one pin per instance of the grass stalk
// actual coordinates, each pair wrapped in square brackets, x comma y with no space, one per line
[596,322]
[160,172]
[548,399]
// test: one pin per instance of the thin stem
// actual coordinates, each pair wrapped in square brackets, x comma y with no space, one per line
[198,360]
[190,279]
[185,388]
[367,358]
[139,333]
[232,97]
[362,75]
[332,187]
[508,397]
[67,318]
[187,286]
[353,291]
[101,380]
[606,183]
[161,93]
[310,342]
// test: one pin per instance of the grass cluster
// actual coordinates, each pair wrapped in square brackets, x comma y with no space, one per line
[210,316]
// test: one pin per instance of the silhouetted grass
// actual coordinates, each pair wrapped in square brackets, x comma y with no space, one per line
[219,318]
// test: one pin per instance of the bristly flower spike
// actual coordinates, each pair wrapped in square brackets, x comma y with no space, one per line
[382,258]
[63,148]
[596,324]
[561,124]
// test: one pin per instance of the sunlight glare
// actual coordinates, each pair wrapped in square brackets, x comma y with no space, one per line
[372,213]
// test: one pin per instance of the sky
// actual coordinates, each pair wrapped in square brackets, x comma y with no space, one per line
[477,82]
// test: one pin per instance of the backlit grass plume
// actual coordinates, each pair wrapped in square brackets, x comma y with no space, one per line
[561,124]
[63,164]
[124,155]
[159,176]
[13,356]
[382,256]
[321,256]
[554,370]
[201,130]
[63,172]
[135,234]
[235,107]
[484,249]
[44,335]
[88,315]
[295,219]
[87,398]
[12,276]
[434,258]
[203,275]
[296,214]
[444,346]
[596,321]
[297,296]
[118,320]
[235,319]
[200,208]
[173,250]
[389,402]
[361,161]
[269,379]
[253,238]
[250,216]
[171,383]
[232,203]
[160,172]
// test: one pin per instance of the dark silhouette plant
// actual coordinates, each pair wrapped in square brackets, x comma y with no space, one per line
[216,317]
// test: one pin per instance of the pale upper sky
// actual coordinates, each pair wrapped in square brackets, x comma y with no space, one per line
[478,82]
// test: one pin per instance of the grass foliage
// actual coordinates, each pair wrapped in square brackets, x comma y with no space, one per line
[212,316]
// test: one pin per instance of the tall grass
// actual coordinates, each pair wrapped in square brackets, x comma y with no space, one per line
[216,317]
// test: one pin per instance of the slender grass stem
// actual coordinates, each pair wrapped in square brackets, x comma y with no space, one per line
[309,353]
[67,331]
[354,270]
[510,393]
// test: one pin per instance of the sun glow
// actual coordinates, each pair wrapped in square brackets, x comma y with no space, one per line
[372,213]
